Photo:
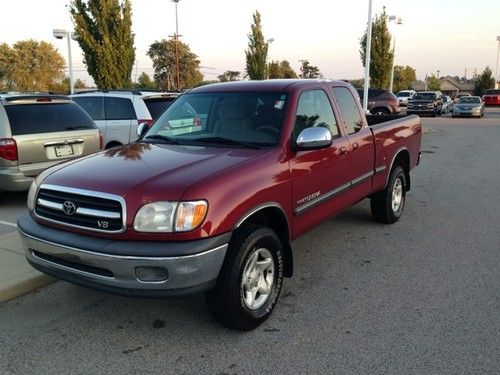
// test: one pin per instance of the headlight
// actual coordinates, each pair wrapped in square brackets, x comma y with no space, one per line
[430,105]
[166,217]
[32,195]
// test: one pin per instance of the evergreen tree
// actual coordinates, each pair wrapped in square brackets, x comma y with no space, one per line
[381,52]
[309,71]
[484,82]
[256,54]
[104,32]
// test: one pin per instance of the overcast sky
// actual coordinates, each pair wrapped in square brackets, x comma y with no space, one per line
[446,35]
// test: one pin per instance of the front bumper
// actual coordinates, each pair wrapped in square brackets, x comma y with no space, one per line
[96,263]
[466,112]
[421,111]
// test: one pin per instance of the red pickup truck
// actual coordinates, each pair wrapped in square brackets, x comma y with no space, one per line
[213,194]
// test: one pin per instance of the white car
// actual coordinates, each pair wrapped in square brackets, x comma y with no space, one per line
[118,113]
[404,95]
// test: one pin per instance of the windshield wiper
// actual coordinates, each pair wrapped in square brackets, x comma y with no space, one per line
[164,138]
[227,141]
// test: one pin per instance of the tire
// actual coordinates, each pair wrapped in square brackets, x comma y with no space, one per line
[237,301]
[381,112]
[387,205]
[433,114]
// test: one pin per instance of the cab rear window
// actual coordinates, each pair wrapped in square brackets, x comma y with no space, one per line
[47,118]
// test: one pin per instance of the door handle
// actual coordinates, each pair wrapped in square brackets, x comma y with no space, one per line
[355,145]
[342,150]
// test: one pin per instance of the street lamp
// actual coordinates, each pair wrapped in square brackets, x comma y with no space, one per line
[496,70]
[367,56]
[60,34]
[269,41]
[398,22]
[176,38]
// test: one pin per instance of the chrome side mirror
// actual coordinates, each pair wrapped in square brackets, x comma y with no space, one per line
[313,139]
[142,129]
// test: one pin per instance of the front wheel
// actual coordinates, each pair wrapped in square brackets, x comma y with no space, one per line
[250,280]
[387,205]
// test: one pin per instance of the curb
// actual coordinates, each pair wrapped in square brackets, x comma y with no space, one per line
[29,284]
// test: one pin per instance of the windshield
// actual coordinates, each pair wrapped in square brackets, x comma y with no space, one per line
[235,119]
[470,99]
[403,94]
[424,96]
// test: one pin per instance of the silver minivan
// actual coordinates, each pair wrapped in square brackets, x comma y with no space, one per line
[39,131]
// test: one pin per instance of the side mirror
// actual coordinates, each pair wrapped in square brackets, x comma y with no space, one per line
[142,129]
[313,138]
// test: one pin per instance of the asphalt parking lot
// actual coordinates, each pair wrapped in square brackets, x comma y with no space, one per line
[419,296]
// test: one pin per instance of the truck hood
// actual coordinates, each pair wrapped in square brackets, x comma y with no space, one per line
[148,171]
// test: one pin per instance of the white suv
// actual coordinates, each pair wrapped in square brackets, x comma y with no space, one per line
[118,113]
[405,95]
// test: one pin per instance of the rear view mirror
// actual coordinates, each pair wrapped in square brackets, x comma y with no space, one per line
[313,139]
[142,129]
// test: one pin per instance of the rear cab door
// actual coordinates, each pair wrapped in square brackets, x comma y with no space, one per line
[319,177]
[361,142]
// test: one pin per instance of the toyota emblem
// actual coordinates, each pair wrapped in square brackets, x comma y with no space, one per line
[69,208]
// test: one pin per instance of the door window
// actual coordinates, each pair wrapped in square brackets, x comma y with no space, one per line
[120,109]
[348,109]
[93,105]
[314,110]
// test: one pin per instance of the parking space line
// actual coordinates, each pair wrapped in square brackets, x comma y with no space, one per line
[8,223]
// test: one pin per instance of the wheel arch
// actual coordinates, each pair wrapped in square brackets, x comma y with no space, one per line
[401,158]
[273,216]
[111,144]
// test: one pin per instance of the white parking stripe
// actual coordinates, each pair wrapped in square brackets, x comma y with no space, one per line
[8,223]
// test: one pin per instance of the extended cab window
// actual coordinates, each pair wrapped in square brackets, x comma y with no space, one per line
[93,105]
[314,109]
[120,109]
[349,109]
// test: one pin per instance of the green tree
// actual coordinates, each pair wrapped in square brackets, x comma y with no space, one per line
[30,66]
[357,83]
[229,75]
[281,69]
[404,77]
[104,32]
[62,87]
[381,53]
[309,71]
[145,82]
[484,82]
[163,55]
[256,54]
[433,83]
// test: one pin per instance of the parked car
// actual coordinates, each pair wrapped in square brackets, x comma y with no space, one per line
[460,95]
[425,103]
[381,102]
[447,104]
[469,106]
[492,97]
[118,113]
[38,131]
[215,208]
[404,95]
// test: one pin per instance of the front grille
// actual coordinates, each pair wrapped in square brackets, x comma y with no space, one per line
[82,209]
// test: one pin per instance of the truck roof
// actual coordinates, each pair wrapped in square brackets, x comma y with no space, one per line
[270,84]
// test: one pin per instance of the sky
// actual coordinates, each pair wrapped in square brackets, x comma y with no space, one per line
[456,37]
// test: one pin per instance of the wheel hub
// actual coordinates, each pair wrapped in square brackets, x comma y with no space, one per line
[257,279]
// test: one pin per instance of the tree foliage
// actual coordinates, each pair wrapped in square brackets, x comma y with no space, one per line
[357,83]
[484,82]
[104,32]
[309,71]
[229,75]
[145,82]
[256,54]
[404,77]
[381,54]
[62,87]
[433,83]
[30,66]
[163,55]
[281,69]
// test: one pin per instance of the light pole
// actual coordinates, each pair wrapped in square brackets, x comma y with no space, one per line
[60,34]
[496,70]
[176,38]
[368,51]
[398,22]
[269,41]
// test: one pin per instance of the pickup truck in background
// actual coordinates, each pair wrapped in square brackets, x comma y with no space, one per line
[215,207]
[426,103]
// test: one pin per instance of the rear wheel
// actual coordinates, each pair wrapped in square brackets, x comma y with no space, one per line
[250,280]
[381,112]
[387,205]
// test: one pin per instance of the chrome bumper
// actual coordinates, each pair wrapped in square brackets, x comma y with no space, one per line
[124,274]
